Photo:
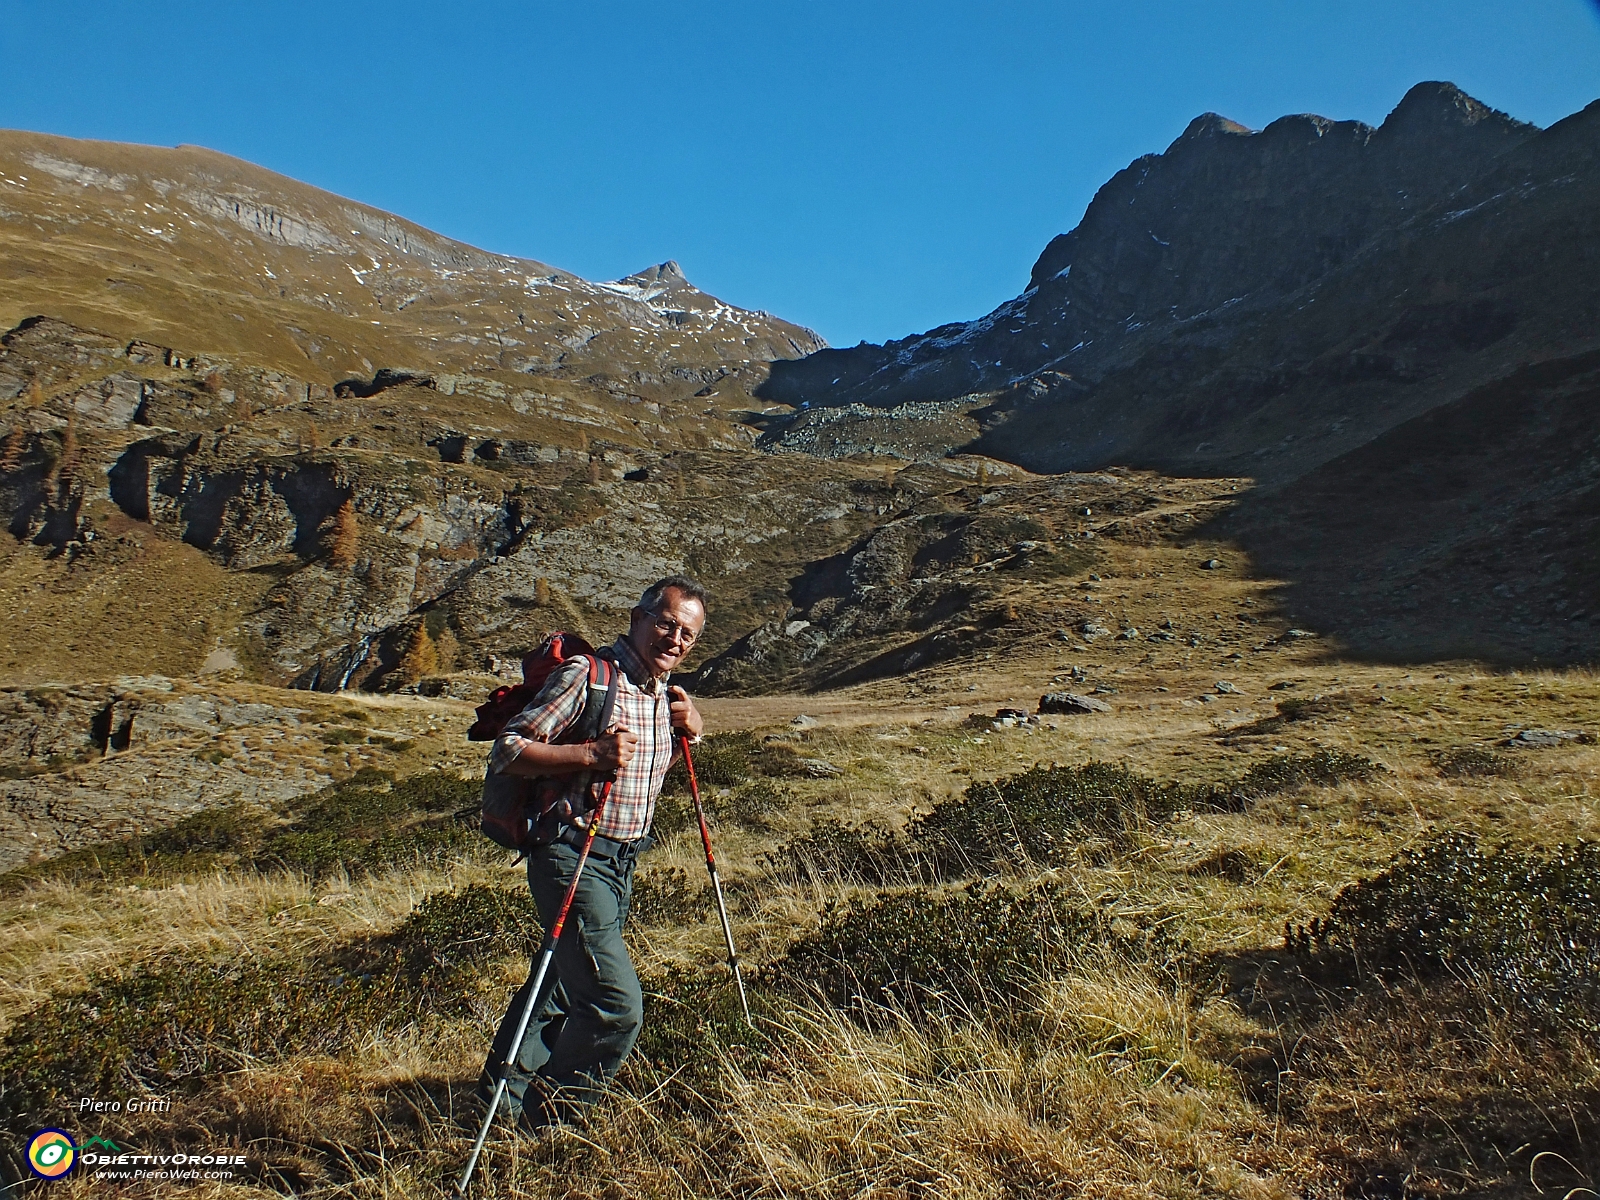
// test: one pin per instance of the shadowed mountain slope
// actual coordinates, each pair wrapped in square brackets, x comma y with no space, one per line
[1468,532]
[1260,303]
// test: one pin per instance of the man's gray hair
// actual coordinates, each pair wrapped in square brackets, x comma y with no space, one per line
[691,588]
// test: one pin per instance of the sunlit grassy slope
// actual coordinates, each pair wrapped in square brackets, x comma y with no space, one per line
[314,983]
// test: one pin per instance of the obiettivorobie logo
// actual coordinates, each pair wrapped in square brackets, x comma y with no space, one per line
[52,1153]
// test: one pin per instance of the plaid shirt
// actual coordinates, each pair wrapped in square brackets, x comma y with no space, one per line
[642,707]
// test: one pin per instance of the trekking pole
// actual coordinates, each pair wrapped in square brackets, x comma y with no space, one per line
[716,883]
[547,954]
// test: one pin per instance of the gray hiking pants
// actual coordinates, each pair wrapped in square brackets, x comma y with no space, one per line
[591,1006]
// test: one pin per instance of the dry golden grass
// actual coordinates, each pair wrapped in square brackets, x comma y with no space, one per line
[1242,1079]
[117,613]
[1118,1087]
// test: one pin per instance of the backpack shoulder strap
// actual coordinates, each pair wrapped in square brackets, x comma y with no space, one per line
[599,700]
[604,673]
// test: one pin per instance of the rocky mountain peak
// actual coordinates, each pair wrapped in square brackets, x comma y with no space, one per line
[1224,217]
[664,281]
[1438,130]
[667,274]
[1208,125]
[1435,106]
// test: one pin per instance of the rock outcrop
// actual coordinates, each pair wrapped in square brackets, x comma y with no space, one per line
[96,762]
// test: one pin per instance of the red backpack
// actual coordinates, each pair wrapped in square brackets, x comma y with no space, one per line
[520,812]
[537,667]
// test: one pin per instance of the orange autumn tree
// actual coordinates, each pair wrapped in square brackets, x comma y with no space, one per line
[345,540]
[420,658]
[11,453]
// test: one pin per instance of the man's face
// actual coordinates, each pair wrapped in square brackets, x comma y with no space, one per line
[662,638]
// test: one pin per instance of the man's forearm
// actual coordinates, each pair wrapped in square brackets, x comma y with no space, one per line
[541,758]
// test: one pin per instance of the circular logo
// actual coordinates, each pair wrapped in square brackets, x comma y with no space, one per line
[52,1153]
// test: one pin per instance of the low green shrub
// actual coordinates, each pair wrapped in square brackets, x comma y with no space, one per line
[368,822]
[747,805]
[470,926]
[1235,865]
[197,843]
[720,760]
[1038,815]
[976,950]
[372,822]
[674,813]
[831,851]
[732,758]
[1471,762]
[750,804]
[1524,924]
[180,1023]
[667,896]
[176,1024]
[1324,768]
[694,1027]
[1309,708]
[426,841]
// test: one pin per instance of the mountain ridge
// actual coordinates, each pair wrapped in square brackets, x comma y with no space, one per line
[1184,266]
[150,242]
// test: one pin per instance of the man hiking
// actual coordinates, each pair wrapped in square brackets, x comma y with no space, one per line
[592,1005]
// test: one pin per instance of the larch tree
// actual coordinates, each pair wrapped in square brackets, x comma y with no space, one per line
[11,453]
[446,649]
[420,658]
[345,540]
[61,474]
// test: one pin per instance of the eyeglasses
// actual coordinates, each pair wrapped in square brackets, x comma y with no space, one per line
[675,630]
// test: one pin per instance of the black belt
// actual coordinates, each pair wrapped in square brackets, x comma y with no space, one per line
[604,847]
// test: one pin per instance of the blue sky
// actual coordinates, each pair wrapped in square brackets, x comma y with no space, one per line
[868,169]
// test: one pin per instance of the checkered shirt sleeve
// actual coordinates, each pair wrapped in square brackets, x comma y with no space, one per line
[558,704]
[645,711]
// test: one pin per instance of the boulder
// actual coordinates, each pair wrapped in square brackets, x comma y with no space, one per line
[1071,702]
[1544,737]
